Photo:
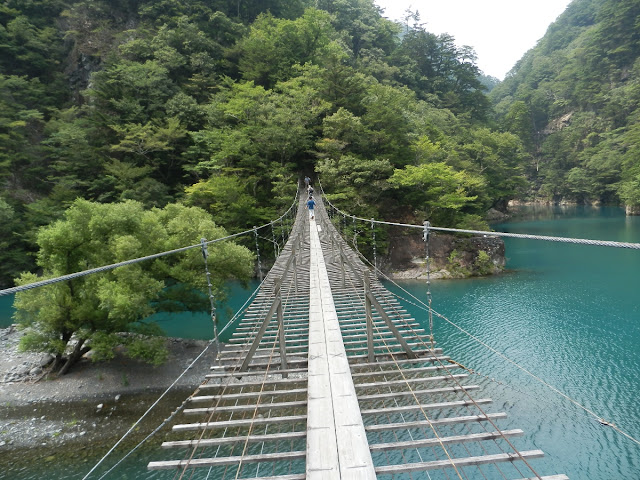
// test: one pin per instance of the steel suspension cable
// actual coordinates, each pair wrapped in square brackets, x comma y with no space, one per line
[580,241]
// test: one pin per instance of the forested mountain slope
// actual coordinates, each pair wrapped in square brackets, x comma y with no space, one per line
[574,101]
[223,104]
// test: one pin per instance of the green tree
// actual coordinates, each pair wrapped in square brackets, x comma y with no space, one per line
[99,311]
[227,199]
[436,189]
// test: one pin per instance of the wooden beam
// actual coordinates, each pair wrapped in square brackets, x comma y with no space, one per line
[232,373]
[274,381]
[214,442]
[459,462]
[245,408]
[438,421]
[434,442]
[390,325]
[245,395]
[432,391]
[399,362]
[186,427]
[443,378]
[549,477]
[425,406]
[405,371]
[222,461]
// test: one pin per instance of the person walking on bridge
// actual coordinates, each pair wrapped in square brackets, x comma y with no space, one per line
[310,204]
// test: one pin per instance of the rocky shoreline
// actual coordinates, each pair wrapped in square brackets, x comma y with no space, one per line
[38,411]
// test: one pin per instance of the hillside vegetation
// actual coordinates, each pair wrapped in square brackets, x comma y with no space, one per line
[574,101]
[223,105]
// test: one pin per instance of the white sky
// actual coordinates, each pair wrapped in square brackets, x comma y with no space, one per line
[500,31]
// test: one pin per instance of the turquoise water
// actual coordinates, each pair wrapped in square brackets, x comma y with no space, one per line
[568,313]
[182,325]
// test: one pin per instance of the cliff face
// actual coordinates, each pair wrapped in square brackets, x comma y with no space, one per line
[450,256]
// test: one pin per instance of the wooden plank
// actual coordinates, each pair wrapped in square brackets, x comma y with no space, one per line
[394,363]
[214,442]
[431,351]
[259,364]
[273,371]
[425,406]
[405,371]
[337,446]
[246,395]
[391,325]
[216,462]
[548,477]
[434,442]
[257,383]
[459,462]
[438,421]
[245,408]
[299,476]
[431,391]
[239,423]
[440,378]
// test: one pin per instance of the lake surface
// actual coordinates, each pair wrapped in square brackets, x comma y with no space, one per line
[568,313]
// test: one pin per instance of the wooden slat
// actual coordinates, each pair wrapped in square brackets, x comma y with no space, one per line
[425,406]
[431,442]
[245,408]
[246,395]
[216,462]
[431,391]
[405,371]
[459,462]
[214,442]
[239,423]
[395,363]
[257,383]
[397,355]
[272,371]
[438,421]
[404,381]
[299,476]
[548,477]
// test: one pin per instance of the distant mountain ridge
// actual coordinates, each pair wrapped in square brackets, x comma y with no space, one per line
[574,101]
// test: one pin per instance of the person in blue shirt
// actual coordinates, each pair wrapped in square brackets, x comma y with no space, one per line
[310,204]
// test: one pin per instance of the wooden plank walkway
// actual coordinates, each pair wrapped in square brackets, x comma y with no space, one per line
[337,446]
[328,377]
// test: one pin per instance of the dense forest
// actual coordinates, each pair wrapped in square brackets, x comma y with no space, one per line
[574,101]
[223,105]
[129,127]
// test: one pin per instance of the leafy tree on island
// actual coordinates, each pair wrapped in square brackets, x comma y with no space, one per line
[101,311]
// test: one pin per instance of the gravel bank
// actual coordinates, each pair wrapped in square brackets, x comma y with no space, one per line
[94,401]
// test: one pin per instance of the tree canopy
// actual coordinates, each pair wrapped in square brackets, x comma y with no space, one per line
[68,319]
[223,105]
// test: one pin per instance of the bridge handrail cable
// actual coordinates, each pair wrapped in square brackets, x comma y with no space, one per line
[420,304]
[583,241]
[104,268]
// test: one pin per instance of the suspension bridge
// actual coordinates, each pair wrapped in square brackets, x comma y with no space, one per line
[328,377]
